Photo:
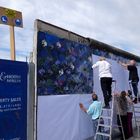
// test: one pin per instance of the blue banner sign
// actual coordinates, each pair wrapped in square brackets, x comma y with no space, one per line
[13,100]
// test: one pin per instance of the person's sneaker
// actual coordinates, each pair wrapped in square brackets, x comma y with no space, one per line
[106,107]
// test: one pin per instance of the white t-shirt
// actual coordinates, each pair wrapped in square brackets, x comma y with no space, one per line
[104,69]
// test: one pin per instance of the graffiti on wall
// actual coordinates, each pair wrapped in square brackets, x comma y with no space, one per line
[109,55]
[63,66]
[112,56]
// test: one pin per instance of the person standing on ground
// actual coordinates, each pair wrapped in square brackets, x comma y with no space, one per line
[133,76]
[129,114]
[94,110]
[105,76]
[122,113]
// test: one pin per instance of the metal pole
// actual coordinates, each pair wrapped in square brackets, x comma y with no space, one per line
[12,43]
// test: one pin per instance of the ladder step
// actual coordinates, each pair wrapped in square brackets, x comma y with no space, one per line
[105,117]
[106,109]
[103,125]
[137,117]
[137,120]
[137,111]
[103,134]
[117,126]
[136,106]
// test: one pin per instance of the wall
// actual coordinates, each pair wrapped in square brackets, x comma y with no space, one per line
[63,66]
[59,117]
[64,77]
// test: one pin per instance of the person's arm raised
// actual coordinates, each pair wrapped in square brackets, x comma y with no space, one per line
[123,64]
[95,65]
[82,107]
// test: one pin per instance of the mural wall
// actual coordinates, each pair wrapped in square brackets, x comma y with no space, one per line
[63,66]
[110,55]
[64,69]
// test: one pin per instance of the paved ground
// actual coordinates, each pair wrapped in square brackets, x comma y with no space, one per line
[116,135]
[135,137]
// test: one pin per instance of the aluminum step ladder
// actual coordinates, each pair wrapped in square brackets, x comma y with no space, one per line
[100,134]
[131,89]
[136,112]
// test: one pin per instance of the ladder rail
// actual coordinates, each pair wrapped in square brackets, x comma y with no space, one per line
[112,112]
[121,125]
[98,124]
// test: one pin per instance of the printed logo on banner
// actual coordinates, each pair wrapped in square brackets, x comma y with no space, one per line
[10,78]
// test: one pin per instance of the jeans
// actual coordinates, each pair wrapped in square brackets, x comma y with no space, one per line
[106,83]
[135,88]
[95,124]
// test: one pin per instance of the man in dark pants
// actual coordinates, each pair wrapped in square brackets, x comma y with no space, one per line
[105,76]
[106,83]
[133,76]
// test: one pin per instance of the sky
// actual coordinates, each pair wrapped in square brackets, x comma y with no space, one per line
[115,22]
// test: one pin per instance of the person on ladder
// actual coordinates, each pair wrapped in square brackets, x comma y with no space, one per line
[105,76]
[133,76]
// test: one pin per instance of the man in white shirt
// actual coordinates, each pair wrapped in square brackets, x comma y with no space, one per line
[105,76]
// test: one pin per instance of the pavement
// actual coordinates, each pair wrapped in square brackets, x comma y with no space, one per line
[116,135]
[135,136]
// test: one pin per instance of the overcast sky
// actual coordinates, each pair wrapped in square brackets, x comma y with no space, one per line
[115,22]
